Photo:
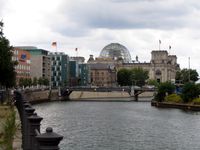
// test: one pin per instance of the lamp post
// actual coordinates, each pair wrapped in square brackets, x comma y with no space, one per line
[189,68]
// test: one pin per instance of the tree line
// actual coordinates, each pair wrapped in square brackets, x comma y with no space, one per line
[33,82]
[129,77]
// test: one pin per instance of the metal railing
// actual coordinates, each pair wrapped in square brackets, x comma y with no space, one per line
[32,139]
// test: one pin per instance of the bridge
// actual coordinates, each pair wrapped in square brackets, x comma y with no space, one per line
[134,91]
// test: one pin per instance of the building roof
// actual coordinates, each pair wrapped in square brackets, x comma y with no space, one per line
[116,51]
[100,66]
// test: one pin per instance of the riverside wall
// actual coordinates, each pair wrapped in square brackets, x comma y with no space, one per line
[176,105]
[42,96]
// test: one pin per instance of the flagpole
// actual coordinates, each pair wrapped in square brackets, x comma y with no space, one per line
[189,67]
[76,49]
[169,48]
[159,44]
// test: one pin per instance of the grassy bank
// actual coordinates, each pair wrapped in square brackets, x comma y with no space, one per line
[7,127]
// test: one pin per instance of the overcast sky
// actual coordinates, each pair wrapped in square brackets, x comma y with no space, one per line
[89,25]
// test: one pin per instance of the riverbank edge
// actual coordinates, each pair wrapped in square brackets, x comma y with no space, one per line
[176,105]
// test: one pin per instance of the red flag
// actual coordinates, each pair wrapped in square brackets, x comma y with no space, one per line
[54,44]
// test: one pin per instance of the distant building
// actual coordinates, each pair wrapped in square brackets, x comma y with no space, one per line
[79,72]
[102,74]
[79,59]
[162,66]
[84,74]
[73,73]
[59,69]
[23,59]
[40,62]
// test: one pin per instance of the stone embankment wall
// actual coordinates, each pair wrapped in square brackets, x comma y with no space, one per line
[93,95]
[41,96]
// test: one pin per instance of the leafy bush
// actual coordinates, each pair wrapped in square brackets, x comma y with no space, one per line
[9,131]
[153,82]
[164,89]
[196,101]
[173,98]
[190,91]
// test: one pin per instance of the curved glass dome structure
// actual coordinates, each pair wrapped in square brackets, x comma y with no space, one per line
[116,51]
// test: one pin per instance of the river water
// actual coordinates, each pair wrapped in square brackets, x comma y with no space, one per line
[121,126]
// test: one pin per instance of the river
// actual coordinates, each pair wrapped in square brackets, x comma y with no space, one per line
[121,126]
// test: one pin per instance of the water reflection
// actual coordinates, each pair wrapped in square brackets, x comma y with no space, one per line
[121,126]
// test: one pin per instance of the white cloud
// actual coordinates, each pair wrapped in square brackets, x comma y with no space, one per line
[90,25]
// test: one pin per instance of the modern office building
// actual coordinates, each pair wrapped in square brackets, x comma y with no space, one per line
[40,62]
[79,72]
[73,73]
[84,74]
[59,69]
[22,69]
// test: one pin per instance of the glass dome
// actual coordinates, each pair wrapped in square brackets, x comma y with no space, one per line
[116,51]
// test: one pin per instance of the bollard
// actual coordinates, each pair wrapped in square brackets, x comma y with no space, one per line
[29,112]
[49,140]
[20,107]
[34,124]
[27,104]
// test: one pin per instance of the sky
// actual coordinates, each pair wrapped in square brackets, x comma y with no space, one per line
[90,25]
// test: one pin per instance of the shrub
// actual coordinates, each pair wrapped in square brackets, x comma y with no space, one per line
[163,89]
[190,91]
[9,131]
[196,101]
[173,98]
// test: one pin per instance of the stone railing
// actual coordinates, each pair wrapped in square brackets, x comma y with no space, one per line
[32,139]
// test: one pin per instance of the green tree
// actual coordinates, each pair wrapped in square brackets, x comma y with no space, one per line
[29,81]
[45,81]
[35,81]
[186,75]
[8,75]
[124,77]
[135,76]
[139,76]
[21,82]
[40,81]
[153,82]
[164,89]
[190,91]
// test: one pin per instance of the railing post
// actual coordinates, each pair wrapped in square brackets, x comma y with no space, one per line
[49,140]
[34,122]
[29,112]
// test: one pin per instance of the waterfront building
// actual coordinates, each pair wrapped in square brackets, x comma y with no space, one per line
[73,73]
[59,69]
[84,74]
[79,59]
[102,74]
[22,68]
[79,72]
[162,66]
[40,62]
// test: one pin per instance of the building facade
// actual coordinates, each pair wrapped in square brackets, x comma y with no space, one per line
[84,74]
[23,68]
[59,69]
[102,74]
[162,66]
[40,62]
